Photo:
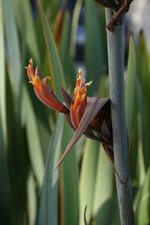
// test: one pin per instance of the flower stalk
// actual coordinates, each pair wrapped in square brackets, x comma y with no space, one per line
[115,42]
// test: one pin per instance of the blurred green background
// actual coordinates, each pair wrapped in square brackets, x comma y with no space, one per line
[60,37]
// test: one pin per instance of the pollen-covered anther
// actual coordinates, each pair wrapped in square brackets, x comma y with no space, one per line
[88,84]
[80,77]
[80,73]
[30,70]
[36,81]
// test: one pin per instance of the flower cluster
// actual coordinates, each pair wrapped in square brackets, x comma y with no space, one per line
[90,116]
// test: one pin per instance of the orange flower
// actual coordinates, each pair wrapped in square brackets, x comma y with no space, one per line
[78,106]
[90,116]
[42,90]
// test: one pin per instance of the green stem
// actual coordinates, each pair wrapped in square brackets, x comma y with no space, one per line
[115,41]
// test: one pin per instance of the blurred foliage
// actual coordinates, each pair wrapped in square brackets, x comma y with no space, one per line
[32,136]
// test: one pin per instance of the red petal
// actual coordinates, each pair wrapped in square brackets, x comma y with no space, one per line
[47,97]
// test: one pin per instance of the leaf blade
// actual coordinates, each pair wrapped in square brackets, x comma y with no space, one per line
[48,205]
[53,56]
[12,46]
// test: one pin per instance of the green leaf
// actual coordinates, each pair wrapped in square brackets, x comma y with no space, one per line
[104,86]
[143,72]
[33,138]
[93,53]
[32,199]
[103,39]
[17,158]
[87,179]
[65,39]
[53,56]
[132,106]
[69,183]
[65,50]
[142,203]
[12,46]
[48,214]
[27,27]
[3,77]
[51,8]
[130,85]
[74,27]
[104,190]
[140,154]
[5,212]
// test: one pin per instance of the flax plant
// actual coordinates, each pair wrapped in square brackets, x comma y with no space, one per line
[43,181]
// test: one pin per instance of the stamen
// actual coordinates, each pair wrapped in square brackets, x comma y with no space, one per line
[38,73]
[88,84]
[31,61]
[45,79]
[35,81]
[79,70]
[79,74]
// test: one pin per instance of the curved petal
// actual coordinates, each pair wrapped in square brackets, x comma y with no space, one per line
[42,89]
[94,105]
[47,97]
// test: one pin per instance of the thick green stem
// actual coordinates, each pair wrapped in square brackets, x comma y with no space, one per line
[115,41]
